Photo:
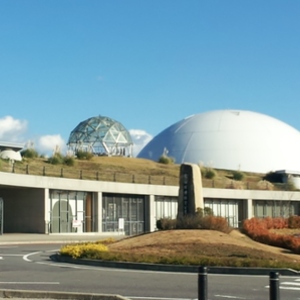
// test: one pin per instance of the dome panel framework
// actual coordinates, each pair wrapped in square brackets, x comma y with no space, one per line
[101,136]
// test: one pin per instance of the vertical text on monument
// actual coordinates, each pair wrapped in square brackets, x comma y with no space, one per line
[188,193]
[185,194]
[190,190]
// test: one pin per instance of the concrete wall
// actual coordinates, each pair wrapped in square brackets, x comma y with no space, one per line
[251,194]
[20,180]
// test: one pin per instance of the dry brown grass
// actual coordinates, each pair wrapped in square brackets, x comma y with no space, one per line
[120,169]
[233,249]
[126,169]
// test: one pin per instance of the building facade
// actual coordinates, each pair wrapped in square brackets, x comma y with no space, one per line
[49,205]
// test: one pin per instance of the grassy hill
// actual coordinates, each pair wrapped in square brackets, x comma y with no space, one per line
[128,169]
[188,247]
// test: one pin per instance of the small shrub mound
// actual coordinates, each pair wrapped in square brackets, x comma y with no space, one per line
[203,222]
[29,153]
[294,222]
[203,219]
[166,160]
[193,253]
[259,230]
[59,159]
[84,250]
[56,159]
[177,251]
[237,175]
[166,224]
[69,161]
[206,211]
[84,155]
[207,172]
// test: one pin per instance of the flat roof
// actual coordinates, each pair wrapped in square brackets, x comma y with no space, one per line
[11,145]
[292,172]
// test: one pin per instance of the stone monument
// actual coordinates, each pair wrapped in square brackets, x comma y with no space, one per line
[190,190]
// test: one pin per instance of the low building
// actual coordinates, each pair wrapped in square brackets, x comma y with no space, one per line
[11,151]
[51,205]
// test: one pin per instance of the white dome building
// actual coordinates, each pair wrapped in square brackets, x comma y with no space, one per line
[230,140]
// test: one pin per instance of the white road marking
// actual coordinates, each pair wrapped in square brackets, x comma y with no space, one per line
[155,298]
[25,257]
[134,297]
[290,288]
[17,282]
[291,283]
[11,254]
[228,297]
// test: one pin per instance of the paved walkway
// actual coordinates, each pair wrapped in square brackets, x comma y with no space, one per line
[33,238]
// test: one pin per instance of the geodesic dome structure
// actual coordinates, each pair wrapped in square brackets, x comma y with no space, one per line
[101,136]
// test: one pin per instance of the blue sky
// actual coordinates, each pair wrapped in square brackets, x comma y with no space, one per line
[144,63]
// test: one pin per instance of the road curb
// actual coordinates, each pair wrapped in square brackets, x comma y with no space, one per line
[57,295]
[173,268]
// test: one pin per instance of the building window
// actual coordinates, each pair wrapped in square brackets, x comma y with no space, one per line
[123,209]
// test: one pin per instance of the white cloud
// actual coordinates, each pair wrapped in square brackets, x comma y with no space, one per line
[47,144]
[140,138]
[11,129]
[14,130]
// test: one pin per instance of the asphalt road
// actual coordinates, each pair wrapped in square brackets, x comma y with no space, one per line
[28,267]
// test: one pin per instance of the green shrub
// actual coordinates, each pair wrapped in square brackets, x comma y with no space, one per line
[56,159]
[200,220]
[215,223]
[237,175]
[208,222]
[69,160]
[208,173]
[166,160]
[166,224]
[206,211]
[80,154]
[189,222]
[29,153]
